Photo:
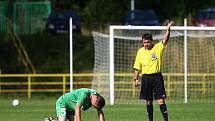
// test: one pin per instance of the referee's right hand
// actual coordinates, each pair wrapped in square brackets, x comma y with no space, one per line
[136,83]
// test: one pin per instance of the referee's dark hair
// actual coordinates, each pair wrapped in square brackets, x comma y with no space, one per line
[100,102]
[147,36]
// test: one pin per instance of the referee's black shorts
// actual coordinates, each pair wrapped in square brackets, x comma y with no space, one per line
[152,87]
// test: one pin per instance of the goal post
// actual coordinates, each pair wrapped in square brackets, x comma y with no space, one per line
[188,66]
[71,54]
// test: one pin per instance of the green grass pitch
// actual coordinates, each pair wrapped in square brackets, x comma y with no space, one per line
[37,109]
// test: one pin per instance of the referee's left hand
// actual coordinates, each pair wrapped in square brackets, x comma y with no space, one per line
[169,24]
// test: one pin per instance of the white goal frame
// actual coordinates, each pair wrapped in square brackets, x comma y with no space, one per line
[184,28]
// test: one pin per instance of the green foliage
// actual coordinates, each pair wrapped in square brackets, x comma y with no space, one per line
[100,13]
[9,60]
[49,53]
[96,14]
[174,9]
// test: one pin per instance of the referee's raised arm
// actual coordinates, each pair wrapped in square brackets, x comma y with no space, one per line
[167,34]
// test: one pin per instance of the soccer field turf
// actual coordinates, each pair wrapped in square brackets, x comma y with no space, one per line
[38,109]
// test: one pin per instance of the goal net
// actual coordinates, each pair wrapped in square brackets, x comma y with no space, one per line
[188,63]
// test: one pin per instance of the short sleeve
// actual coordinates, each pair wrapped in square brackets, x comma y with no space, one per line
[81,98]
[137,62]
[161,46]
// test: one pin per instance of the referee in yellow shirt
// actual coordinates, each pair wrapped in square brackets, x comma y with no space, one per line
[148,61]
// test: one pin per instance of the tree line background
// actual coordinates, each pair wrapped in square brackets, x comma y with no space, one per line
[101,13]
[50,53]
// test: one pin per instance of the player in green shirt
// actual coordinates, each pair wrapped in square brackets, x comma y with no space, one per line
[70,105]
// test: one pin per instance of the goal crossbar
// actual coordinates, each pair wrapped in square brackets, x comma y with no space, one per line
[191,28]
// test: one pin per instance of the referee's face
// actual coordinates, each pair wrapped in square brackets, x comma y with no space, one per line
[147,43]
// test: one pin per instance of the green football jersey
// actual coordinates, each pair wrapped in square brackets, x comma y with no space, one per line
[81,96]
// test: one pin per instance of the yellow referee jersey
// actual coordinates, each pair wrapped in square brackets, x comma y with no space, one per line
[149,61]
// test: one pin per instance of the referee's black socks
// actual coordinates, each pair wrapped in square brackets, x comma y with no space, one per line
[163,109]
[150,112]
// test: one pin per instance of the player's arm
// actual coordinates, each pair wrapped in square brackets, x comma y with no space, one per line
[137,68]
[101,115]
[167,34]
[78,112]
[136,82]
